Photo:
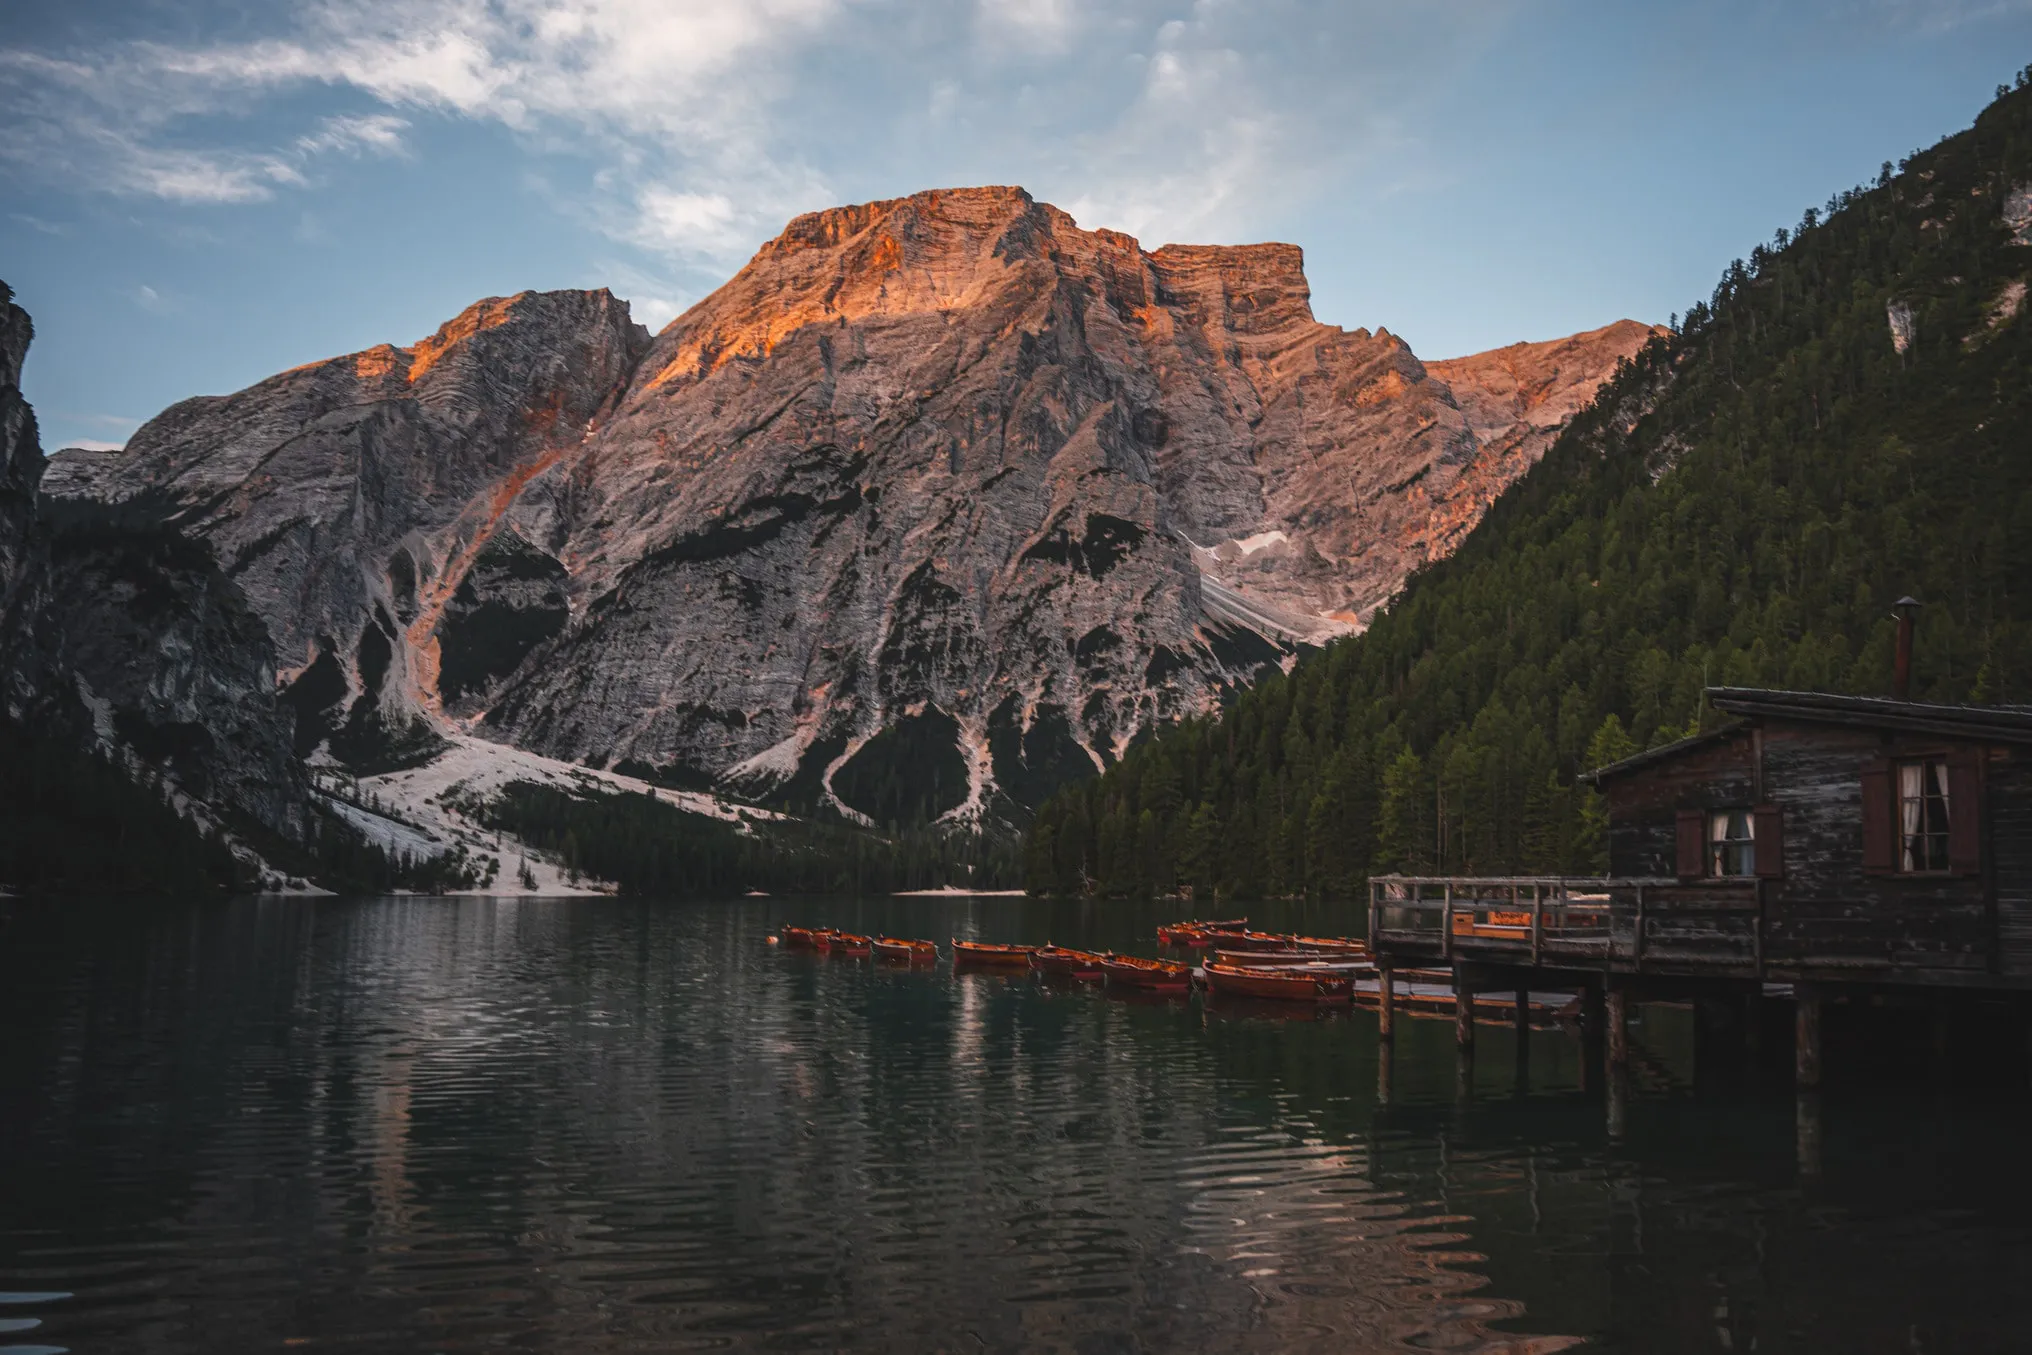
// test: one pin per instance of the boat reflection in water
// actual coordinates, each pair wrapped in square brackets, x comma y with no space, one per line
[606,1125]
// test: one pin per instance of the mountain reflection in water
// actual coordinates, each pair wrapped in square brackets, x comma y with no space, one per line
[606,1125]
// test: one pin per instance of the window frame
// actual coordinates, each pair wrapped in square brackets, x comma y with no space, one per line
[1715,849]
[1939,840]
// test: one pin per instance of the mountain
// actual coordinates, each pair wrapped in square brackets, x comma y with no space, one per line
[374,509]
[135,688]
[20,447]
[1843,422]
[938,504]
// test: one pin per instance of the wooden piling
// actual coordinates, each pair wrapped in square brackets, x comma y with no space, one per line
[1590,1030]
[1809,1133]
[1463,1012]
[1386,1005]
[1806,1038]
[1753,1026]
[1619,1031]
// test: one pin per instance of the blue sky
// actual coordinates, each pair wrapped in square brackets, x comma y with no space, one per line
[196,195]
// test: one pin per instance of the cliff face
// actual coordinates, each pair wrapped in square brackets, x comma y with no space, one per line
[938,498]
[953,464]
[350,500]
[20,450]
[1516,400]
[118,633]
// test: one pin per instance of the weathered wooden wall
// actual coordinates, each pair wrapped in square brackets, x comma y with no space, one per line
[1644,804]
[1825,913]
[2010,846]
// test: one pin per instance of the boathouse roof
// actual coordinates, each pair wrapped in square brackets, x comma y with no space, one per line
[2002,724]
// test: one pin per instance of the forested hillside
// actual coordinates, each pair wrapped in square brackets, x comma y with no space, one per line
[1845,421]
[648,847]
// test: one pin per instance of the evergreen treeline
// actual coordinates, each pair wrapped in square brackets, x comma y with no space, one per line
[1740,506]
[649,846]
[74,823]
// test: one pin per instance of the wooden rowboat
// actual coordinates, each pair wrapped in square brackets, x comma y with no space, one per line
[799,938]
[1294,959]
[1244,939]
[1289,957]
[1334,945]
[848,943]
[910,952]
[1289,985]
[1194,933]
[990,955]
[1131,971]
[1067,963]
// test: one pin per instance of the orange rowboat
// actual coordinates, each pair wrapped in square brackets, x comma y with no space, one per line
[1331,945]
[847,943]
[1244,939]
[1289,985]
[1131,971]
[1248,940]
[910,952]
[988,954]
[799,938]
[1289,957]
[1058,960]
[1195,933]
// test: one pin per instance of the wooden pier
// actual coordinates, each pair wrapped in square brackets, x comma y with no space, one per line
[1819,849]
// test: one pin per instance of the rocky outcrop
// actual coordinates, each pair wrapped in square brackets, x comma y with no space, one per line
[938,500]
[1517,399]
[20,449]
[953,472]
[122,635]
[350,500]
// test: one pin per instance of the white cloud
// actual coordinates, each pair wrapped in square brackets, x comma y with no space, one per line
[150,300]
[674,95]
[93,445]
[1029,25]
[674,219]
[700,122]
[374,133]
[195,176]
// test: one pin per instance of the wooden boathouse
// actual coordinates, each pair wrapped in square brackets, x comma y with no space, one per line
[1838,848]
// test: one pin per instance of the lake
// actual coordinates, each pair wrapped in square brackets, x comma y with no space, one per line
[623,1125]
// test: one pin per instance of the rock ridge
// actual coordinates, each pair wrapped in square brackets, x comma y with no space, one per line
[941,491]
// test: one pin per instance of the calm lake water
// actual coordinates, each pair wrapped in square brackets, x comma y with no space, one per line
[617,1125]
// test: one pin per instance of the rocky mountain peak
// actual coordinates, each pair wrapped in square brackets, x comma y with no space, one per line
[20,447]
[1247,289]
[938,502]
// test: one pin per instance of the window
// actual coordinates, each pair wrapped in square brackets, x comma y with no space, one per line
[1731,842]
[1923,808]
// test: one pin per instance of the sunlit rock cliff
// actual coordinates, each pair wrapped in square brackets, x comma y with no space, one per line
[938,500]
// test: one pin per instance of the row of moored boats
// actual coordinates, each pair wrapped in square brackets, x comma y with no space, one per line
[1240,962]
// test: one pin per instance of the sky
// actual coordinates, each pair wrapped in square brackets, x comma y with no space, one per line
[195,194]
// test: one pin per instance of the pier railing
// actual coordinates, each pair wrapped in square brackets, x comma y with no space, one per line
[1591,921]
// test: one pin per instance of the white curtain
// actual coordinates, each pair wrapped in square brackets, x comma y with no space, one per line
[1911,800]
[1731,835]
